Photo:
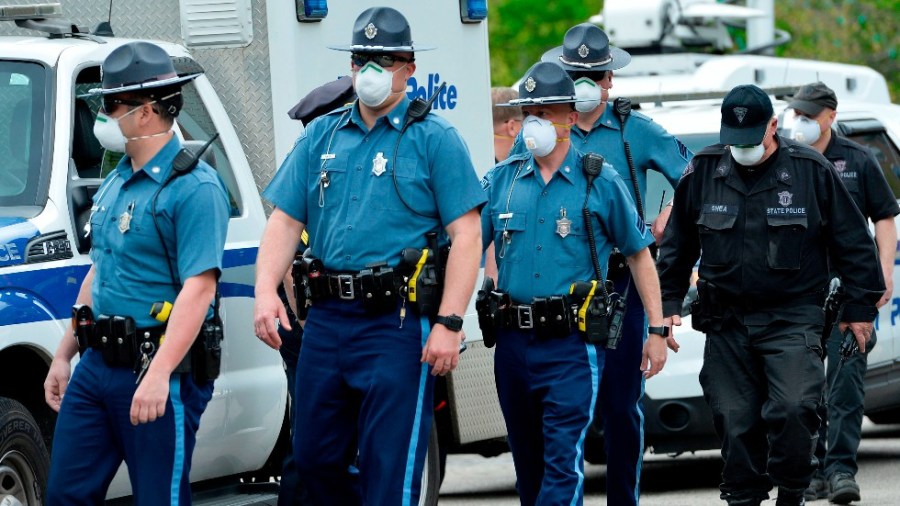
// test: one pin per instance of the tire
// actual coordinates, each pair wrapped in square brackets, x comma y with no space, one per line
[431,474]
[24,461]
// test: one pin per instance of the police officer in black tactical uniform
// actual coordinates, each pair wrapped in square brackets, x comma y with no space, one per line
[814,113]
[769,216]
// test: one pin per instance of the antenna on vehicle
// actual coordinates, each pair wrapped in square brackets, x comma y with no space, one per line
[104,29]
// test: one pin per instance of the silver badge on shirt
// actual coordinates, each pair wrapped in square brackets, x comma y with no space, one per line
[125,218]
[563,224]
[378,164]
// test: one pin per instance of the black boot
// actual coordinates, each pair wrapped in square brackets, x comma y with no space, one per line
[790,497]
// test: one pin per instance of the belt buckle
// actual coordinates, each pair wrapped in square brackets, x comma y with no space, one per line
[524,317]
[345,287]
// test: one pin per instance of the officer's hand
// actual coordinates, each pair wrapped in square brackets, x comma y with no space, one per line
[149,401]
[659,224]
[672,322]
[442,350]
[861,330]
[654,355]
[56,383]
[269,307]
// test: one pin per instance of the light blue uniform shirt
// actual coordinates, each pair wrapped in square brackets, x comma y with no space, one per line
[652,148]
[358,218]
[130,267]
[540,257]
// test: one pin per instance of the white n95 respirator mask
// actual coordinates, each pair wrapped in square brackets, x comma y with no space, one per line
[748,156]
[805,130]
[539,135]
[373,84]
[587,95]
[109,133]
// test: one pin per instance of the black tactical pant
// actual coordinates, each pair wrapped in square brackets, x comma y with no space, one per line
[844,400]
[764,384]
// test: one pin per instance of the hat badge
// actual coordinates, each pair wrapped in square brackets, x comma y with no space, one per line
[583,51]
[530,85]
[371,31]
[740,113]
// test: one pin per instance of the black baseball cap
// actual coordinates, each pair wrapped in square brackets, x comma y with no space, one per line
[812,98]
[746,112]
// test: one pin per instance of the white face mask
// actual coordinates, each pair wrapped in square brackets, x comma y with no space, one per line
[805,130]
[588,91]
[539,135]
[373,84]
[109,133]
[748,156]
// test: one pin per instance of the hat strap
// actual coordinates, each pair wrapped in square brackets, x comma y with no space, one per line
[583,64]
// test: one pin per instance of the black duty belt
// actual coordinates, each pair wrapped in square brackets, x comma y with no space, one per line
[350,286]
[562,315]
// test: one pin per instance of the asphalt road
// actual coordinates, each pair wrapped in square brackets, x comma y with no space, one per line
[687,480]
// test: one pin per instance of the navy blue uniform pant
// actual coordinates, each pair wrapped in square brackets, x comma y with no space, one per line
[547,390]
[843,408]
[94,434]
[366,404]
[620,404]
[764,384]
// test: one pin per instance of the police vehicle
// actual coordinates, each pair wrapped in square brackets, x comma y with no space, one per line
[260,57]
[683,92]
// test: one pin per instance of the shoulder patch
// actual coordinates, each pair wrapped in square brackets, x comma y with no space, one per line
[486,180]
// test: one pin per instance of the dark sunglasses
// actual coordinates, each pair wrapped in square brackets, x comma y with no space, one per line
[110,103]
[382,60]
[592,75]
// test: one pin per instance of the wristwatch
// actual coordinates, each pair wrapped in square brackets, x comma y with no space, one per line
[662,331]
[453,322]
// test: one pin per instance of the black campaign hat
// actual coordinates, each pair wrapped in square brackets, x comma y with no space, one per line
[812,98]
[746,112]
[544,83]
[136,66]
[379,30]
[586,48]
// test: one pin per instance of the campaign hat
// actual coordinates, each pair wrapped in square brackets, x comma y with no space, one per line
[137,66]
[381,30]
[586,48]
[544,83]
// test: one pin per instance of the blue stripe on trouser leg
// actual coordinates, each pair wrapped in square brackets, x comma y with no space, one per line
[547,389]
[620,405]
[363,387]
[178,455]
[95,433]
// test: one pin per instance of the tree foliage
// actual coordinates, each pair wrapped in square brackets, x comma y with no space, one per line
[850,31]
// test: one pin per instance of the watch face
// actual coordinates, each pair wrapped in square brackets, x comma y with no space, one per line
[452,322]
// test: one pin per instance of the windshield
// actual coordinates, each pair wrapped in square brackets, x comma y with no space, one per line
[23,128]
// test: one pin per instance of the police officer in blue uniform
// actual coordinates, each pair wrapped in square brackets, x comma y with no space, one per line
[548,380]
[767,218]
[814,114]
[156,238]
[634,145]
[370,181]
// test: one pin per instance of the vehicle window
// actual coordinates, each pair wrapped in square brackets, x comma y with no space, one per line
[885,152]
[194,123]
[23,126]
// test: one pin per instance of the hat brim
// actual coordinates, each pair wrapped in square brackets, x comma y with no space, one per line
[521,102]
[620,58]
[357,48]
[142,86]
[745,136]
[806,107]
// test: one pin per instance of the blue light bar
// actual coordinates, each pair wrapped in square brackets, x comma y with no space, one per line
[311,11]
[473,11]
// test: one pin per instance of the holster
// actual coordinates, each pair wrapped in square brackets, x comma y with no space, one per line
[83,326]
[425,288]
[206,352]
[488,309]
[617,266]
[706,311]
[833,305]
